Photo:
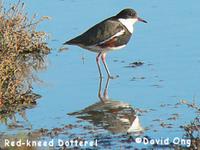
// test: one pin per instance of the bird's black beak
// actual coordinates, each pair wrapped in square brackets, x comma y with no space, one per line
[141,20]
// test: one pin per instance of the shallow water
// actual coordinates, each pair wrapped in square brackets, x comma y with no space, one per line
[168,45]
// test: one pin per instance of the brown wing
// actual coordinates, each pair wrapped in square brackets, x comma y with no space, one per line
[110,43]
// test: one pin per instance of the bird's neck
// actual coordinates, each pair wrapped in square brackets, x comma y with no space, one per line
[128,23]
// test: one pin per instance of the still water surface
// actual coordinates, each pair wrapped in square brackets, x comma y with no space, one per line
[167,45]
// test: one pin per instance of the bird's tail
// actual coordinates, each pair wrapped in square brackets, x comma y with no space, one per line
[70,42]
[67,43]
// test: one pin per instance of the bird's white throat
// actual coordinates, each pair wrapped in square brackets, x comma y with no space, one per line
[128,23]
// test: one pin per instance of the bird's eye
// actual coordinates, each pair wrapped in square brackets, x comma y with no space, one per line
[132,14]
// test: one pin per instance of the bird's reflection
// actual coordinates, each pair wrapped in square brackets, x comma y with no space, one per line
[112,115]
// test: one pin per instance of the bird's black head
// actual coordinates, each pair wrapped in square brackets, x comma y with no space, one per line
[127,13]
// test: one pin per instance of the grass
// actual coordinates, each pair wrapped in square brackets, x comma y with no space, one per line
[23,51]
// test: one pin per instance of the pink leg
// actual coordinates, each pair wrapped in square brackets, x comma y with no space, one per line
[98,65]
[103,58]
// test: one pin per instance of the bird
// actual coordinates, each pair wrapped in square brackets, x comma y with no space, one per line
[110,34]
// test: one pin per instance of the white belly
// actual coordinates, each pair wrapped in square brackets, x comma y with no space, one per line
[98,49]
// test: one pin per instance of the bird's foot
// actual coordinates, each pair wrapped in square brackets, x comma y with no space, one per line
[113,77]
